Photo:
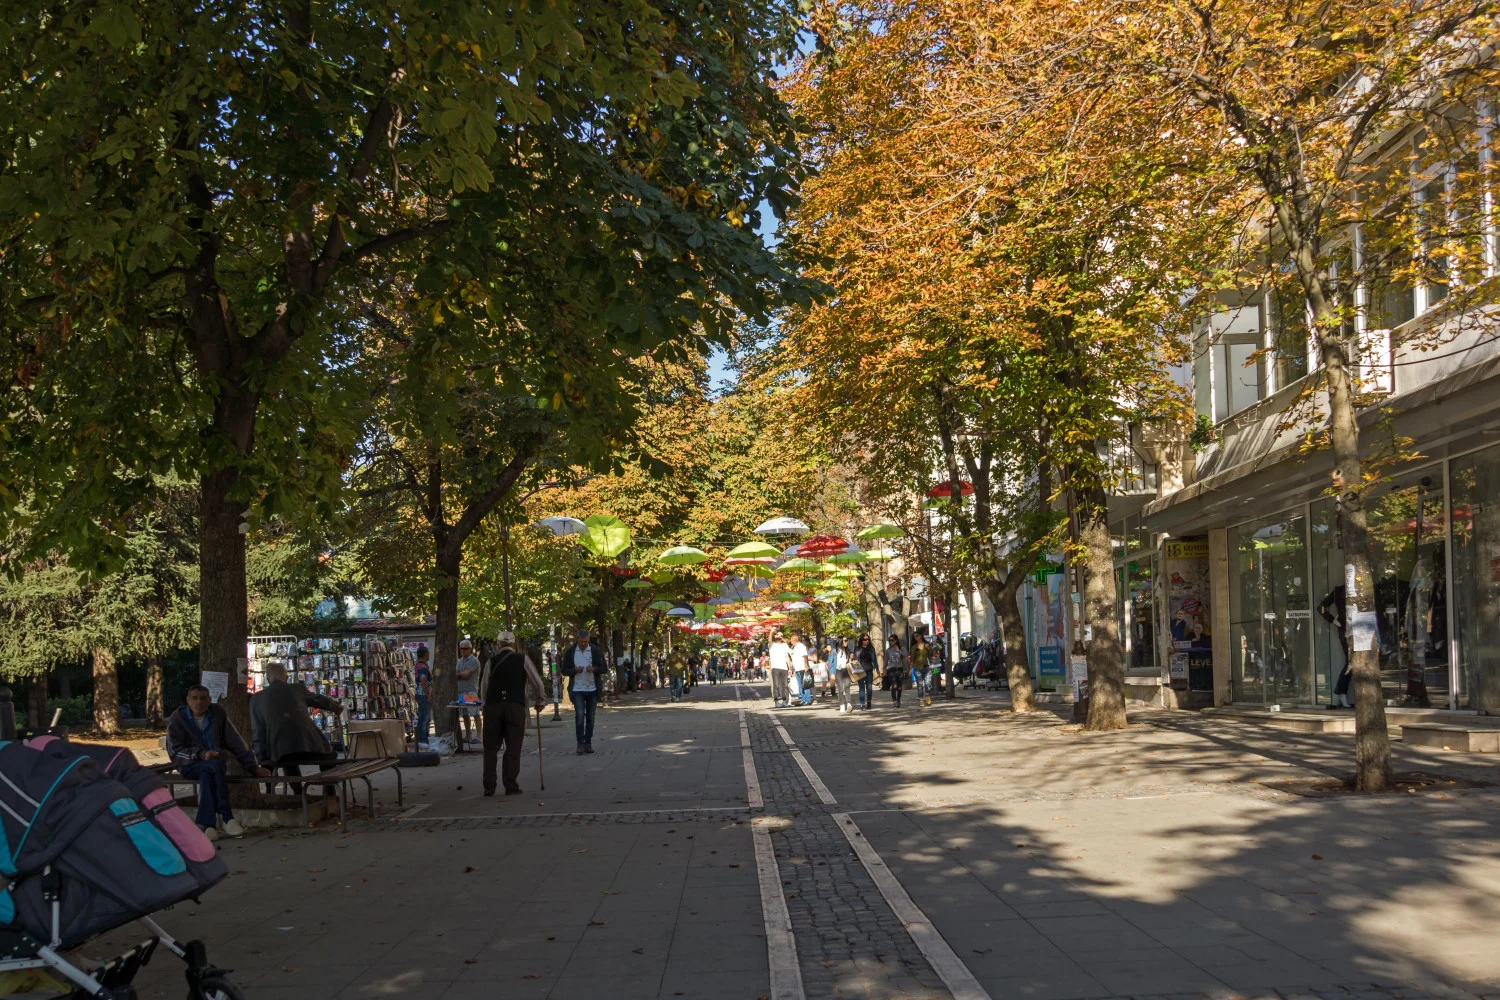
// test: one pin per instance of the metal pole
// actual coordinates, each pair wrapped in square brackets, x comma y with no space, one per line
[505,569]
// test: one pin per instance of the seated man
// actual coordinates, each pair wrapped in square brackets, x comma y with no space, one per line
[199,736]
[283,734]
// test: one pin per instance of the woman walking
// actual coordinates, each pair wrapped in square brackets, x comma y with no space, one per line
[921,678]
[865,673]
[896,666]
[840,663]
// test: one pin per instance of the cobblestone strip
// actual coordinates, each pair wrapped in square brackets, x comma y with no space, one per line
[850,942]
[726,814]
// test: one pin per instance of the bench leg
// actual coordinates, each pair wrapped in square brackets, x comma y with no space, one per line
[400,791]
[370,796]
[342,824]
[305,821]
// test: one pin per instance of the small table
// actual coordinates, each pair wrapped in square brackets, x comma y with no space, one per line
[472,708]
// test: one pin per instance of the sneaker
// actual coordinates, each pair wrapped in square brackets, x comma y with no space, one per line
[211,832]
[232,828]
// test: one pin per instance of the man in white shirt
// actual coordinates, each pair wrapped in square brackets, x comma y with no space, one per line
[799,664]
[781,660]
[583,662]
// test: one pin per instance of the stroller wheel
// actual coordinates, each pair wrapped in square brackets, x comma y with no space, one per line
[216,987]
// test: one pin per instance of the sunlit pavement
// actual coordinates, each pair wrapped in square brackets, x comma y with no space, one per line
[948,851]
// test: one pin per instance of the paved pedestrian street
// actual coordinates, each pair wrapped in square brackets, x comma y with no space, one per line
[715,849]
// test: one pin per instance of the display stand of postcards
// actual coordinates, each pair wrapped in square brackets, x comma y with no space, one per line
[263,649]
[333,666]
[389,680]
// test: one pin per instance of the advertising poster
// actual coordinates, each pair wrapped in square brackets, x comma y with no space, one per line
[1189,620]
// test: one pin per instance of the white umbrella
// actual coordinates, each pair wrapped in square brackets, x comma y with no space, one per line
[790,551]
[782,526]
[797,606]
[681,612]
[560,526]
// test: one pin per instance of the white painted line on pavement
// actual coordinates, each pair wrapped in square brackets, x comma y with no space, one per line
[949,967]
[414,810]
[781,943]
[753,794]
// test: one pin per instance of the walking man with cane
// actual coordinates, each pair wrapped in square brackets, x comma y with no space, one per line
[513,683]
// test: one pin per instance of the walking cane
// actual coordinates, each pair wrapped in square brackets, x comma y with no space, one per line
[540,777]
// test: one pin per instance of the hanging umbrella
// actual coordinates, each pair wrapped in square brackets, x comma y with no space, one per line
[754,550]
[661,576]
[827,596]
[820,546]
[881,556]
[678,612]
[605,537]
[635,585]
[788,595]
[782,526]
[791,550]
[881,530]
[852,556]
[797,563]
[662,605]
[718,602]
[735,589]
[945,489]
[560,526]
[682,555]
[799,606]
[762,561]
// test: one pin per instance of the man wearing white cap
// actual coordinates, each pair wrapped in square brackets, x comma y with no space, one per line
[511,685]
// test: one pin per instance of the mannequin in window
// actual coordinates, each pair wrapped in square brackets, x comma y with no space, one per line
[1334,610]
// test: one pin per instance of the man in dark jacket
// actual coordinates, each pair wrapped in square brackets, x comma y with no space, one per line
[512,684]
[199,739]
[583,663]
[280,729]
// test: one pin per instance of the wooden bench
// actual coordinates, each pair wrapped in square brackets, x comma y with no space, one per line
[338,776]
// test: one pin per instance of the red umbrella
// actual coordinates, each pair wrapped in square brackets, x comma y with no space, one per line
[822,546]
[965,489]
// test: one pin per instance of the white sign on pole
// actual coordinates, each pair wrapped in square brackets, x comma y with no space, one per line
[217,682]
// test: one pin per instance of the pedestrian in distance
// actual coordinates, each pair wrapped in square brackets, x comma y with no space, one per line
[896,666]
[841,663]
[512,684]
[920,676]
[200,741]
[865,655]
[582,664]
[466,671]
[822,679]
[423,676]
[780,664]
[677,667]
[801,668]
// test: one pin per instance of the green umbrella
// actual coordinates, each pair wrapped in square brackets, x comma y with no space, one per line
[797,563]
[880,531]
[708,586]
[750,569]
[682,555]
[787,595]
[855,556]
[661,576]
[754,550]
[879,556]
[605,537]
[827,596]
[662,605]
[635,584]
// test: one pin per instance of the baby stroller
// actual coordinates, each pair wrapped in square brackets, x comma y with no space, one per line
[91,841]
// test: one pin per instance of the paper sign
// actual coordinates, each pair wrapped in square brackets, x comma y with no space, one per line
[1351,582]
[217,682]
[1362,630]
[242,668]
[1179,666]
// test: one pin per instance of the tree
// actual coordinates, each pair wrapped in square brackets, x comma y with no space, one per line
[1301,105]
[200,200]
[994,309]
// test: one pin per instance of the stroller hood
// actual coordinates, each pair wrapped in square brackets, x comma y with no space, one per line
[103,832]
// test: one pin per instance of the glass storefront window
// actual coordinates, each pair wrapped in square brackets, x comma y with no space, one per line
[1476,577]
[1270,612]
[1140,590]
[1408,554]
[1327,548]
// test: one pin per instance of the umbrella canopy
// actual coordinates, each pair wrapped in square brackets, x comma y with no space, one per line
[605,537]
[881,556]
[852,556]
[560,526]
[819,546]
[945,489]
[677,612]
[782,526]
[827,596]
[735,589]
[682,555]
[754,550]
[760,561]
[881,530]
[791,550]
[635,585]
[799,606]
[718,602]
[798,563]
[662,605]
[788,595]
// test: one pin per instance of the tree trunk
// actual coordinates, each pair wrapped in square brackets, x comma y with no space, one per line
[950,616]
[223,609]
[1106,657]
[106,693]
[445,644]
[1013,633]
[156,715]
[1372,741]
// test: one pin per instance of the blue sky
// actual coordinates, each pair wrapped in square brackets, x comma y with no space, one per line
[719,374]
